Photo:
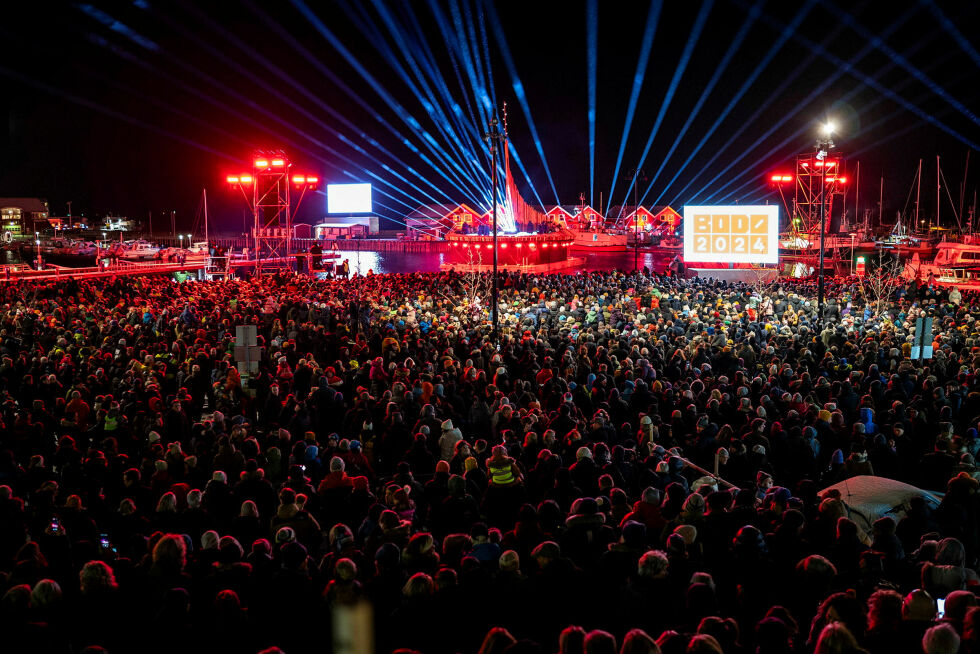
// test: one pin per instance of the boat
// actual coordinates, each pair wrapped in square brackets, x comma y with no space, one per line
[956,263]
[906,244]
[139,250]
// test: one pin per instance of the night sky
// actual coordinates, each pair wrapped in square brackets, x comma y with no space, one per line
[133,107]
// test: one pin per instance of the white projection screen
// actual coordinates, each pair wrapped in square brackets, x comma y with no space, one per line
[349,198]
[731,234]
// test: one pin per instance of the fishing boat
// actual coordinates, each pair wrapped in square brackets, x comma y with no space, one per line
[956,263]
[139,250]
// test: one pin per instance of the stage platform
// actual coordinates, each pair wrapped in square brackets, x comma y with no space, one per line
[550,267]
[746,275]
[599,241]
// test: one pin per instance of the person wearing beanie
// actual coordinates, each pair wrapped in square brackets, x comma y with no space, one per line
[510,561]
[586,534]
[585,472]
[448,441]
[337,478]
[646,511]
[941,639]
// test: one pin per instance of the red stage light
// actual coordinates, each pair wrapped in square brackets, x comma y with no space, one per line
[805,164]
[261,163]
[278,163]
[503,245]
[842,180]
[298,179]
[246,179]
[519,245]
[312,180]
[787,178]
[776,178]
[233,179]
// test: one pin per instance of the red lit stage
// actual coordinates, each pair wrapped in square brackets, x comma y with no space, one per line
[520,251]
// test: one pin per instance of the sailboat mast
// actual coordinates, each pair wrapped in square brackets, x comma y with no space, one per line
[857,190]
[966,170]
[918,190]
[206,216]
[881,201]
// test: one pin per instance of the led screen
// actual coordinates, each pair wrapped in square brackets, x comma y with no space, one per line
[731,234]
[349,198]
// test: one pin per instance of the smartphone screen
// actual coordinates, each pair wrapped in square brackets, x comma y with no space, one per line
[941,608]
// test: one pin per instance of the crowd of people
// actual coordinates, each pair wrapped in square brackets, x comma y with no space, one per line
[637,463]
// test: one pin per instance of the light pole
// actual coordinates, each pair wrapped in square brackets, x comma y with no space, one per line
[181,240]
[824,145]
[494,137]
[37,245]
[634,175]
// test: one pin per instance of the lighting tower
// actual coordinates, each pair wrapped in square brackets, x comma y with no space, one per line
[817,179]
[824,145]
[494,138]
[267,191]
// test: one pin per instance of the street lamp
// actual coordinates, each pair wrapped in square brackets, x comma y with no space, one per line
[181,237]
[37,244]
[824,145]
[495,137]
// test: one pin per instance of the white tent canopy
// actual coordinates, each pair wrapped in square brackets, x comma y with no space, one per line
[869,498]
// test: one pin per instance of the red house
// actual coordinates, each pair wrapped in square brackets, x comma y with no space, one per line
[642,216]
[588,218]
[560,216]
[464,215]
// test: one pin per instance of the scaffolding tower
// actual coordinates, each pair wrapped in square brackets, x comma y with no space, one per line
[811,172]
[270,184]
[272,233]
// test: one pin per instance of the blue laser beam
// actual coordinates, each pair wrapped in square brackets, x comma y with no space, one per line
[118,27]
[357,99]
[795,136]
[101,108]
[646,45]
[485,48]
[467,122]
[498,32]
[904,63]
[873,83]
[217,53]
[692,41]
[774,49]
[709,87]
[423,90]
[953,31]
[331,38]
[812,96]
[591,61]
